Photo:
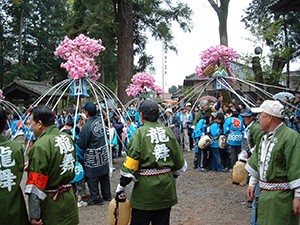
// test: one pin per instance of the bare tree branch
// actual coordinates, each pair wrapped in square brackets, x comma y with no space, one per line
[214,5]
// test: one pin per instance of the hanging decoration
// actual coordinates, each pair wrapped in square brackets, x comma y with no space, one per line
[141,82]
[79,88]
[215,62]
[79,54]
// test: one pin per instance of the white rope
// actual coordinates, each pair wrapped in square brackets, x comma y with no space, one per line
[257,88]
[273,86]
[227,86]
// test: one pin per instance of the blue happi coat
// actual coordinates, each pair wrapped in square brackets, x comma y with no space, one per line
[233,127]
[201,129]
[215,132]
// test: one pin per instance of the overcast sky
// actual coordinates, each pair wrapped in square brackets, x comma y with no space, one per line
[204,34]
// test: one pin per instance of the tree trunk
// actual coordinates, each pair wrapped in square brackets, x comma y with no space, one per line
[256,67]
[1,57]
[20,47]
[288,79]
[222,15]
[124,19]
[274,77]
[277,67]
[222,12]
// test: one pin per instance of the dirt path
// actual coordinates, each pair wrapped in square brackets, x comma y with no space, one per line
[205,198]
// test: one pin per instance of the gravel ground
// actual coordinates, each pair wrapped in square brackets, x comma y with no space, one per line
[204,198]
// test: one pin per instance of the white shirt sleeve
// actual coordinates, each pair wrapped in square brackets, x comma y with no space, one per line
[253,181]
[297,192]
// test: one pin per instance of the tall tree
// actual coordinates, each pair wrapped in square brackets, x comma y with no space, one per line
[5,7]
[221,8]
[127,30]
[8,40]
[46,30]
[124,19]
[96,19]
[32,30]
[277,30]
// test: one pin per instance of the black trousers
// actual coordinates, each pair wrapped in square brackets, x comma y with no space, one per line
[120,145]
[156,217]
[93,184]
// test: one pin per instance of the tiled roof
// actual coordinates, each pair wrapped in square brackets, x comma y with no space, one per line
[37,87]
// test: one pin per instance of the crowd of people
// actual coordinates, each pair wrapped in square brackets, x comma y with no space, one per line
[215,119]
[68,152]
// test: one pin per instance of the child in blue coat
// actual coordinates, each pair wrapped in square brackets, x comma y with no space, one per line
[216,131]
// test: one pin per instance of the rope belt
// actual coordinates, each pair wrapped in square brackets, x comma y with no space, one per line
[56,193]
[273,186]
[154,171]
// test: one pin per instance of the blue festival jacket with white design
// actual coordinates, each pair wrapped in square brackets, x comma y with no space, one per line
[233,127]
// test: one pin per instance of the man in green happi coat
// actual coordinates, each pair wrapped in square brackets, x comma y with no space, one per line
[51,199]
[154,161]
[12,203]
[275,166]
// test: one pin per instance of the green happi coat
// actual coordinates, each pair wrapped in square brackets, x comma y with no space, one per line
[282,164]
[12,203]
[255,131]
[154,146]
[51,164]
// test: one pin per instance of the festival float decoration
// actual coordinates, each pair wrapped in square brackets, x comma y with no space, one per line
[1,95]
[141,86]
[219,70]
[141,82]
[215,62]
[215,70]
[80,61]
[217,73]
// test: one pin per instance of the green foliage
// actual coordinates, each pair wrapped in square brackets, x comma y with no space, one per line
[30,30]
[173,89]
[157,16]
[17,2]
[279,31]
[145,61]
[97,19]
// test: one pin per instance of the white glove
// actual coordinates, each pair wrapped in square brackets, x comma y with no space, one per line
[120,188]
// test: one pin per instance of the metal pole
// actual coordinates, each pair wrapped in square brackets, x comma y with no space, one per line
[164,66]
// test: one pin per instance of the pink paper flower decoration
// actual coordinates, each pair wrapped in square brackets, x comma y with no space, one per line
[79,55]
[1,95]
[219,54]
[141,81]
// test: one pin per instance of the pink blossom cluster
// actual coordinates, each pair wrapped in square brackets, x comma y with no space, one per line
[219,54]
[1,95]
[79,54]
[140,81]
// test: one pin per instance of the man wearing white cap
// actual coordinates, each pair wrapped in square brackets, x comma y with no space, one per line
[275,165]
